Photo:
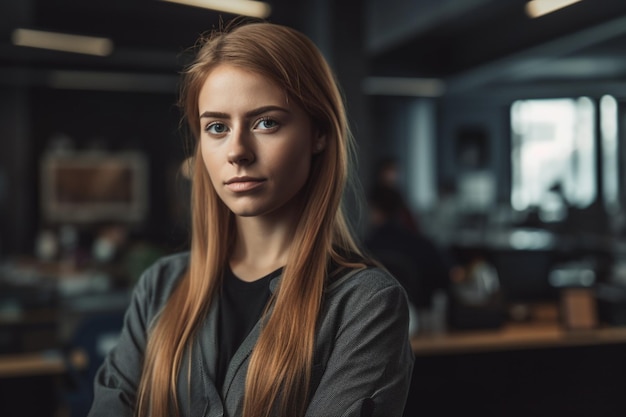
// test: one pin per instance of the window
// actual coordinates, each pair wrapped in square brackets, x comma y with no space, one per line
[553,155]
[610,175]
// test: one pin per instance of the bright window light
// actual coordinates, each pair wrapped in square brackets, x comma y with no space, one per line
[537,8]
[553,155]
[62,42]
[610,163]
[240,7]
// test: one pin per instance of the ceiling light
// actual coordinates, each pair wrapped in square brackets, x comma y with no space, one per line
[62,42]
[241,7]
[536,8]
[111,81]
[400,86]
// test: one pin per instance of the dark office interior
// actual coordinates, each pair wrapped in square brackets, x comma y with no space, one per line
[507,131]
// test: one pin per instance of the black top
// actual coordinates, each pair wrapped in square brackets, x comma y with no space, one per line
[241,307]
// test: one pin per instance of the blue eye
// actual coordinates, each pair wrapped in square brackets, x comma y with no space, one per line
[216,128]
[267,123]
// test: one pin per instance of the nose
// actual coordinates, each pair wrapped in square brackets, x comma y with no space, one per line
[240,151]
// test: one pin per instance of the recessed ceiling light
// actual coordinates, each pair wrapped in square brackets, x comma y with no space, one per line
[62,42]
[537,8]
[241,7]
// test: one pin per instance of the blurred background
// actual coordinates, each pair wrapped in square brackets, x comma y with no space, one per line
[499,126]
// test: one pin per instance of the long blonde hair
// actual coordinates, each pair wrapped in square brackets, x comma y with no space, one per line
[280,365]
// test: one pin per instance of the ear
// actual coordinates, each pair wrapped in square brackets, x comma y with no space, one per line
[319,143]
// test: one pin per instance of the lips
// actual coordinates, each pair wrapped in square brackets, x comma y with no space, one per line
[243,184]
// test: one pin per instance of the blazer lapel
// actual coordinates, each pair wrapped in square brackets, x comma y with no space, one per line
[209,339]
[197,392]
[202,381]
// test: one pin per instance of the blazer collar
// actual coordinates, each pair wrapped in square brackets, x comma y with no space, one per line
[197,391]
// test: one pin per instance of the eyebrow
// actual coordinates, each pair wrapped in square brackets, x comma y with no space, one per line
[251,113]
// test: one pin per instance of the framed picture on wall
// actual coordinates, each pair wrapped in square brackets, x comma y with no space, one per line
[472,147]
[94,187]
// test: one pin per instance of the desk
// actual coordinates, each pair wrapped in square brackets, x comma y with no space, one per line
[522,369]
[39,363]
[514,336]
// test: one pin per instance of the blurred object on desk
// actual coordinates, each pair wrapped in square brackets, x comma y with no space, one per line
[28,313]
[543,331]
[575,283]
[578,309]
[611,301]
[477,283]
[475,300]
[580,273]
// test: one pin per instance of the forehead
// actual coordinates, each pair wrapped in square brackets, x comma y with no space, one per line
[232,86]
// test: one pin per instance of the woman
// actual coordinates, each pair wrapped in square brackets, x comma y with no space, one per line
[274,312]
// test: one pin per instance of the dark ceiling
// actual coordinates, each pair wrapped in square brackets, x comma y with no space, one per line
[148,35]
[474,43]
[490,31]
[494,43]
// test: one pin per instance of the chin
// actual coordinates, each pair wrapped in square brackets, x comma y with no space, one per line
[259,211]
[248,211]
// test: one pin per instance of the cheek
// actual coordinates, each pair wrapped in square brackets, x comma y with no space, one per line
[297,165]
[208,159]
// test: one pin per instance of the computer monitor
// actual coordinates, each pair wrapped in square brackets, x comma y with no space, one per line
[94,187]
[524,274]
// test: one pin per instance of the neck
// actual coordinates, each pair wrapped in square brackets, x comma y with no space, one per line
[262,246]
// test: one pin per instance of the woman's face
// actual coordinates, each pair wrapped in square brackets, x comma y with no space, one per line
[256,144]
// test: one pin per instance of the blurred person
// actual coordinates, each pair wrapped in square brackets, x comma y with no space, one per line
[387,174]
[411,257]
[445,218]
[274,311]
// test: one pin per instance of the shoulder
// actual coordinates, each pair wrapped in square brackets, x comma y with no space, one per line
[361,302]
[159,280]
[362,285]
[169,264]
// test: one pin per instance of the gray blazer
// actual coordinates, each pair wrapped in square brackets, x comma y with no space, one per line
[362,362]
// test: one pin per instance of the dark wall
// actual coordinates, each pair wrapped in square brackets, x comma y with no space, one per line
[111,121]
[487,120]
[16,171]
[119,121]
